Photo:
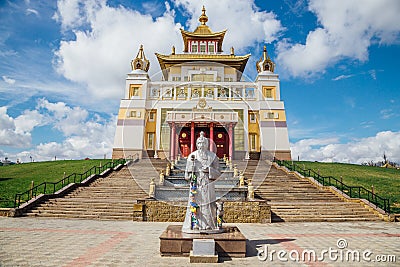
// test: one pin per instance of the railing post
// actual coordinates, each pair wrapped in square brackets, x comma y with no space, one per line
[30,195]
[15,200]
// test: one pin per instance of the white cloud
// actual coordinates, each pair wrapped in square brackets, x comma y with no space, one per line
[357,151]
[99,58]
[84,135]
[107,38]
[342,77]
[27,121]
[347,30]
[94,140]
[8,80]
[32,11]
[388,113]
[64,118]
[69,13]
[10,134]
[245,23]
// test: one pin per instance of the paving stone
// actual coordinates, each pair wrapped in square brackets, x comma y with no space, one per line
[60,242]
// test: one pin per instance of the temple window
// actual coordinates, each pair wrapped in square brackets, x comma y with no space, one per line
[272,115]
[253,141]
[202,48]
[150,141]
[253,117]
[152,116]
[211,48]
[269,92]
[194,47]
[203,77]
[250,93]
[133,91]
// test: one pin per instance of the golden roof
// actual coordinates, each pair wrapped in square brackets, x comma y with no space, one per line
[203,32]
[237,62]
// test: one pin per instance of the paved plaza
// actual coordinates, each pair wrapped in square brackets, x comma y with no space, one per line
[58,242]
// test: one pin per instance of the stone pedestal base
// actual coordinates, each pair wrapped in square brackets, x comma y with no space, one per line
[202,258]
[230,243]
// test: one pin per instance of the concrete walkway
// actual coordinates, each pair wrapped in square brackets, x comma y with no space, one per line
[57,242]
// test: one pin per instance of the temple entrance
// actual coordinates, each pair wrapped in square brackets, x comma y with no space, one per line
[220,139]
[184,142]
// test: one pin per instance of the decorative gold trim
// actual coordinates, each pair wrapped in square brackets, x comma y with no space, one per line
[237,62]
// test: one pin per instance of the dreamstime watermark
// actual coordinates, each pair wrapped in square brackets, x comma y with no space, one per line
[340,253]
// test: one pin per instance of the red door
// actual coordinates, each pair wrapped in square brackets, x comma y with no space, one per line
[221,142]
[184,143]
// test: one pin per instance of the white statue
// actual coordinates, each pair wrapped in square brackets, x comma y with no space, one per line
[202,168]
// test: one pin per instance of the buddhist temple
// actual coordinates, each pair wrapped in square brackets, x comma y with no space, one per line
[202,88]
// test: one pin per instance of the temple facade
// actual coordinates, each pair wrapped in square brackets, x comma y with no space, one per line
[202,89]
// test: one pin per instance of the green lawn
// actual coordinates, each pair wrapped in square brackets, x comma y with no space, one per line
[17,178]
[386,182]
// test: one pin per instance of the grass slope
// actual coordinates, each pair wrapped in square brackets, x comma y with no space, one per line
[17,178]
[386,182]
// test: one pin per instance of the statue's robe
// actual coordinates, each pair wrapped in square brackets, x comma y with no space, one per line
[206,169]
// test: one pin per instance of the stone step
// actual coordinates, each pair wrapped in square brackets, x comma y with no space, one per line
[323,219]
[106,202]
[110,198]
[82,216]
[82,211]
[297,200]
[304,212]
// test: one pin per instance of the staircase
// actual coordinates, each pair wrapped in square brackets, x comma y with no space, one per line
[292,199]
[109,198]
[297,200]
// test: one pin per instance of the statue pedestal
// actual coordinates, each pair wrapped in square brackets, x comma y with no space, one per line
[230,243]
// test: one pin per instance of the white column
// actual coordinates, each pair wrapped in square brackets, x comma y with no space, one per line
[158,129]
[246,128]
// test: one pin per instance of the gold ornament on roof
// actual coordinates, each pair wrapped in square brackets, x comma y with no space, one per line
[265,63]
[203,18]
[140,62]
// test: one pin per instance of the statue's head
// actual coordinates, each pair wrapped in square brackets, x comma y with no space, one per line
[202,142]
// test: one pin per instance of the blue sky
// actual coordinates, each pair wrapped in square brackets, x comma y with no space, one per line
[63,65]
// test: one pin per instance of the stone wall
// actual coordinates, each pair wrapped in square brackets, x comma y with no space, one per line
[257,211]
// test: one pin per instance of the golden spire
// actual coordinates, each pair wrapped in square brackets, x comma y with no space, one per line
[203,18]
[265,63]
[140,62]
[265,54]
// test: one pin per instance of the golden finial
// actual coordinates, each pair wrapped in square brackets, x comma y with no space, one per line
[232,51]
[203,18]
[265,63]
[140,62]
[265,54]
[173,50]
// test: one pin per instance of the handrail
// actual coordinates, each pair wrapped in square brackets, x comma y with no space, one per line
[351,191]
[48,188]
